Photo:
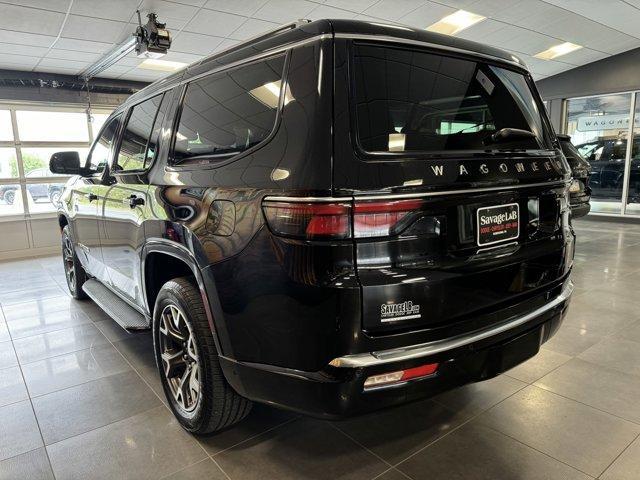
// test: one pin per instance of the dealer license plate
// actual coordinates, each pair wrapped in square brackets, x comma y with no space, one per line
[497,224]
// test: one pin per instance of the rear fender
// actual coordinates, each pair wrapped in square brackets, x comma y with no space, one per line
[207,288]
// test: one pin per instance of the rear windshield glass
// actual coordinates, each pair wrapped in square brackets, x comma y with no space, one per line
[414,101]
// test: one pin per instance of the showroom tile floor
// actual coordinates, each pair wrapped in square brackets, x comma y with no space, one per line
[80,398]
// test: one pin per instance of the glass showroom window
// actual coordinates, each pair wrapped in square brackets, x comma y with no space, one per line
[599,127]
[28,138]
[97,120]
[42,126]
[6,131]
[69,130]
[633,193]
[10,192]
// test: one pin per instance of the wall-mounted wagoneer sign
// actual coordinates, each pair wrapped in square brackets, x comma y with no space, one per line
[604,122]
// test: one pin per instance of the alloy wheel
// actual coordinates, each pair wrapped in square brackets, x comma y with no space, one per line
[55,198]
[179,356]
[69,265]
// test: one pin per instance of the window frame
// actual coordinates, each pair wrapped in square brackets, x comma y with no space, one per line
[21,180]
[364,154]
[127,115]
[104,172]
[177,114]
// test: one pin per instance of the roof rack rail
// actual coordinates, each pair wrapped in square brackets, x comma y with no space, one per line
[262,36]
[275,31]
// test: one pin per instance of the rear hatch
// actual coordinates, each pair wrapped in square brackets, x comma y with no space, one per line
[459,192]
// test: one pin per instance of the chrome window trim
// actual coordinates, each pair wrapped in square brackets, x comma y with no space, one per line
[395,196]
[382,357]
[307,199]
[462,191]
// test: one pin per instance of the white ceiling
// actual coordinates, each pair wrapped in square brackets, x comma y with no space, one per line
[66,36]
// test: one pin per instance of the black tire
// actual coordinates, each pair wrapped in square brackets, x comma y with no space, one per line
[73,270]
[10,197]
[216,405]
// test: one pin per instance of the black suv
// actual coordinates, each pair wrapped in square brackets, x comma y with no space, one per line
[334,217]
[606,156]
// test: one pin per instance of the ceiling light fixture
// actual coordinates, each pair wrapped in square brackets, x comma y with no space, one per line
[558,50]
[456,22]
[161,65]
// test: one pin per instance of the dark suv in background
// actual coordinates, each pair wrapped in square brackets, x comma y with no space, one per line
[606,156]
[38,191]
[334,217]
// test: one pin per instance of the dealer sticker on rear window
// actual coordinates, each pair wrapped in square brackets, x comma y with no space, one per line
[498,224]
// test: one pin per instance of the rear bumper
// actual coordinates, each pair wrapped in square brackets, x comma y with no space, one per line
[338,390]
[579,201]
[580,209]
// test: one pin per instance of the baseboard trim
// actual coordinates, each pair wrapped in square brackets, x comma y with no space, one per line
[29,253]
[607,217]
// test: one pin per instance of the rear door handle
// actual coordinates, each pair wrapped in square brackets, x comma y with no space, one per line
[134,201]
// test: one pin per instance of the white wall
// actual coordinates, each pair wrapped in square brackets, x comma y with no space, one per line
[29,238]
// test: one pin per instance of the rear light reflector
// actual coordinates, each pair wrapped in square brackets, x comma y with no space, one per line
[400,376]
[421,371]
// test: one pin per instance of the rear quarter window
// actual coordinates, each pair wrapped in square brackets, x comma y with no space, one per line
[227,113]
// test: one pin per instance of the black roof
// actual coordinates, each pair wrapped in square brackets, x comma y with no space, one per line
[305,31]
[420,35]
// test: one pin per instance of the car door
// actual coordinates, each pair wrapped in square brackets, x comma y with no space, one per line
[125,205]
[86,193]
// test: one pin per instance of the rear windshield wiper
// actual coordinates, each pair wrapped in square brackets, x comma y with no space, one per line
[477,125]
[506,134]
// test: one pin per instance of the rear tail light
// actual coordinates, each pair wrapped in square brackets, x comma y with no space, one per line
[379,219]
[400,376]
[339,220]
[576,186]
[309,220]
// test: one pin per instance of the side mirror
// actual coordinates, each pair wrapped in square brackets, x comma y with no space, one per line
[66,163]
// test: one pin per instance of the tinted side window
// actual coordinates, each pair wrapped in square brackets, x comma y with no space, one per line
[133,153]
[99,156]
[225,113]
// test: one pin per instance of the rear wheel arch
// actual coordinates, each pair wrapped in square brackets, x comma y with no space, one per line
[162,262]
[159,268]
